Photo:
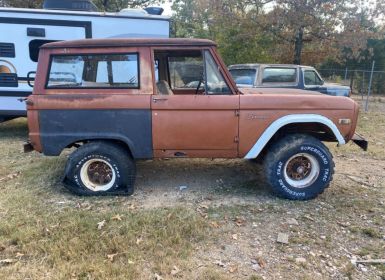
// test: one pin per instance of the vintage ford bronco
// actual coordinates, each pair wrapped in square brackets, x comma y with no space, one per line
[121,100]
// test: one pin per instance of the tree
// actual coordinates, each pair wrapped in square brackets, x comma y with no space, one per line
[32,4]
[231,23]
[117,5]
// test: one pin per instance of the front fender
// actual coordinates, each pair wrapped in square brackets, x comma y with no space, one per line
[291,119]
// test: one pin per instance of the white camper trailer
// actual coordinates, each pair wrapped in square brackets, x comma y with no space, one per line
[23,31]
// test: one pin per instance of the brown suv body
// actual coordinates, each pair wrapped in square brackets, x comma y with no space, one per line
[197,120]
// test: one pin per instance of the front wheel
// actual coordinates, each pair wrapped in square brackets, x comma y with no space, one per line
[299,167]
[100,168]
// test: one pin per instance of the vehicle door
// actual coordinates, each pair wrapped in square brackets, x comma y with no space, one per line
[194,108]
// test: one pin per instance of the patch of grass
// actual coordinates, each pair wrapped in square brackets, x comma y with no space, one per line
[371,232]
[69,242]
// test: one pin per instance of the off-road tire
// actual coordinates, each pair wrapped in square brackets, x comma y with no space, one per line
[114,156]
[289,148]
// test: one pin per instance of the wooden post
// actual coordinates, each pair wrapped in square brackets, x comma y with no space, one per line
[369,87]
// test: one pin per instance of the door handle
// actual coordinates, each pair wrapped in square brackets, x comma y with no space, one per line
[156,99]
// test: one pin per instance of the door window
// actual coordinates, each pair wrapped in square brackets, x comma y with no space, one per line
[312,78]
[215,83]
[186,72]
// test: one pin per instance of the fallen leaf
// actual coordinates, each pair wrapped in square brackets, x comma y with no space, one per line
[7,261]
[130,262]
[214,224]
[234,236]
[19,255]
[111,257]
[240,221]
[139,240]
[101,224]
[309,218]
[131,207]
[175,270]
[261,262]
[233,268]
[10,177]
[117,217]
[157,276]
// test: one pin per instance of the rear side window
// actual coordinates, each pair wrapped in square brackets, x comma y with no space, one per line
[279,75]
[94,71]
[244,76]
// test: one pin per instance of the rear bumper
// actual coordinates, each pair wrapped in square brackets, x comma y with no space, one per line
[360,141]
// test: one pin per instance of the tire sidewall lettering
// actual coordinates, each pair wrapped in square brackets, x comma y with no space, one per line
[81,162]
[323,177]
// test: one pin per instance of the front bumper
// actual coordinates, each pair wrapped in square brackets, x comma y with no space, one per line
[360,141]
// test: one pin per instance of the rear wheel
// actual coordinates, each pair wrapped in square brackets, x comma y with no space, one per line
[100,168]
[299,167]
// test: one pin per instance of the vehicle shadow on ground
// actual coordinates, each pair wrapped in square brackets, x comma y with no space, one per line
[15,129]
[203,176]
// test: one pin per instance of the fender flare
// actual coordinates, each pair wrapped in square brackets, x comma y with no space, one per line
[289,119]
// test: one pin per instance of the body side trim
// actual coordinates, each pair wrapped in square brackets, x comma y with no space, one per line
[297,118]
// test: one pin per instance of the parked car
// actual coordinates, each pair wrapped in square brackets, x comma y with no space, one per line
[23,31]
[284,76]
[122,100]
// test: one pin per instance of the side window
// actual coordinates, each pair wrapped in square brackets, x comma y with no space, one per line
[156,70]
[34,46]
[279,75]
[244,76]
[215,83]
[312,78]
[186,72]
[94,71]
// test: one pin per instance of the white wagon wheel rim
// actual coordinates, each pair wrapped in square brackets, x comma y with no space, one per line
[301,170]
[97,175]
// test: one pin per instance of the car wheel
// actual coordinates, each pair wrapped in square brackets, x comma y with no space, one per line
[299,167]
[100,168]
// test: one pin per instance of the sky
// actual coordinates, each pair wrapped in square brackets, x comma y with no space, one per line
[167,8]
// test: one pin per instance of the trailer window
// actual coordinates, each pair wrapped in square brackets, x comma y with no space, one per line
[34,47]
[94,71]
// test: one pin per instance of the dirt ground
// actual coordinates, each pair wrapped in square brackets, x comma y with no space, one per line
[193,219]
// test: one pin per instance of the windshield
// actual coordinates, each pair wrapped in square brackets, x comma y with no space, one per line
[244,76]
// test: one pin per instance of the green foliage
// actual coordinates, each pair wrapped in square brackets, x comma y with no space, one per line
[117,5]
[35,4]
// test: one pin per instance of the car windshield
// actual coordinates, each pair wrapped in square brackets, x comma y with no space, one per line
[244,76]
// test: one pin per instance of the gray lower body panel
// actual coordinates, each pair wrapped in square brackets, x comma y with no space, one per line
[61,128]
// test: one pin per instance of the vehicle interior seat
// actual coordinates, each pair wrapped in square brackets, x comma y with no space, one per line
[163,88]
